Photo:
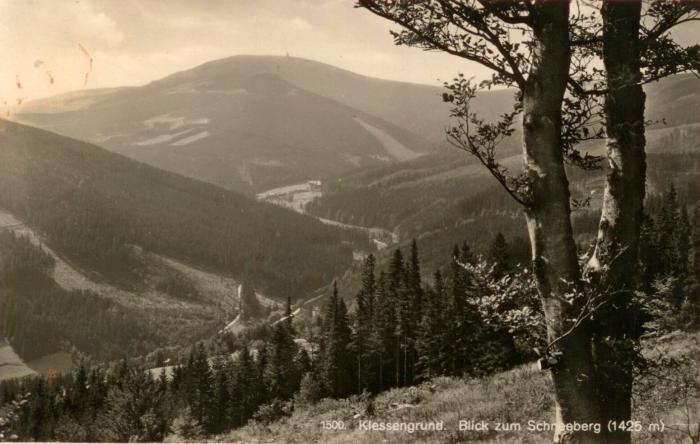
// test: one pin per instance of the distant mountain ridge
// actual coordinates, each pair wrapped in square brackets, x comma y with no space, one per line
[247,123]
[251,123]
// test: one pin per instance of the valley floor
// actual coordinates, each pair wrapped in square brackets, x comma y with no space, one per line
[514,397]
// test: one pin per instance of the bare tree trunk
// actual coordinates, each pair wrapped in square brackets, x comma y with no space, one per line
[549,222]
[616,248]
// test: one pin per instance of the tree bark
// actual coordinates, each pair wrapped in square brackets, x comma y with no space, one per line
[549,222]
[615,254]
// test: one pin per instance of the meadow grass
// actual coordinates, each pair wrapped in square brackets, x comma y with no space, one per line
[516,396]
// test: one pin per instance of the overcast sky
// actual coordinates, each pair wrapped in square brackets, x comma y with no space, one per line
[133,42]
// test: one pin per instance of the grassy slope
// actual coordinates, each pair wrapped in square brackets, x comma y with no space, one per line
[517,395]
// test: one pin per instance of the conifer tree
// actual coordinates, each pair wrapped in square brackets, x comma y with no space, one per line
[382,337]
[281,376]
[668,228]
[162,380]
[260,366]
[289,317]
[396,270]
[197,384]
[136,410]
[648,261]
[415,288]
[424,367]
[398,298]
[683,237]
[246,389]
[218,418]
[465,254]
[364,315]
[302,362]
[440,320]
[405,331]
[337,362]
[456,323]
[77,400]
[500,256]
[342,336]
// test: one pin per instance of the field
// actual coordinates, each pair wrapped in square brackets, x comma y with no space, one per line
[513,397]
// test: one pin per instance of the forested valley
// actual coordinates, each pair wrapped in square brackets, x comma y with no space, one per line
[94,206]
[477,315]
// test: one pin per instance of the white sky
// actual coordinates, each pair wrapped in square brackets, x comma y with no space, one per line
[135,41]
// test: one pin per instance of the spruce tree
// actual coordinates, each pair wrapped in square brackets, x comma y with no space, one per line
[342,343]
[668,228]
[337,360]
[500,256]
[465,254]
[414,285]
[396,279]
[218,417]
[405,329]
[396,270]
[289,317]
[382,339]
[260,366]
[199,382]
[683,237]
[365,301]
[648,260]
[281,376]
[246,389]
[455,318]
[436,352]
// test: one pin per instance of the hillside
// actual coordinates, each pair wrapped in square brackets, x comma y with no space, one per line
[415,107]
[445,197]
[244,123]
[11,365]
[252,123]
[93,205]
[511,398]
[38,307]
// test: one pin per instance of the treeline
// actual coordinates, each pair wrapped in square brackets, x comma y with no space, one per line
[668,285]
[127,403]
[404,331]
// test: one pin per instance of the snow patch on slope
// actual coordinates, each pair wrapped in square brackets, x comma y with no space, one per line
[193,138]
[162,138]
[173,122]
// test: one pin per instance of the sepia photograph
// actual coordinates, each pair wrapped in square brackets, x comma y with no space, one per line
[350,221]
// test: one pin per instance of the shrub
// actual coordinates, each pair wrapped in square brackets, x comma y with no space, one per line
[271,412]
[310,390]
